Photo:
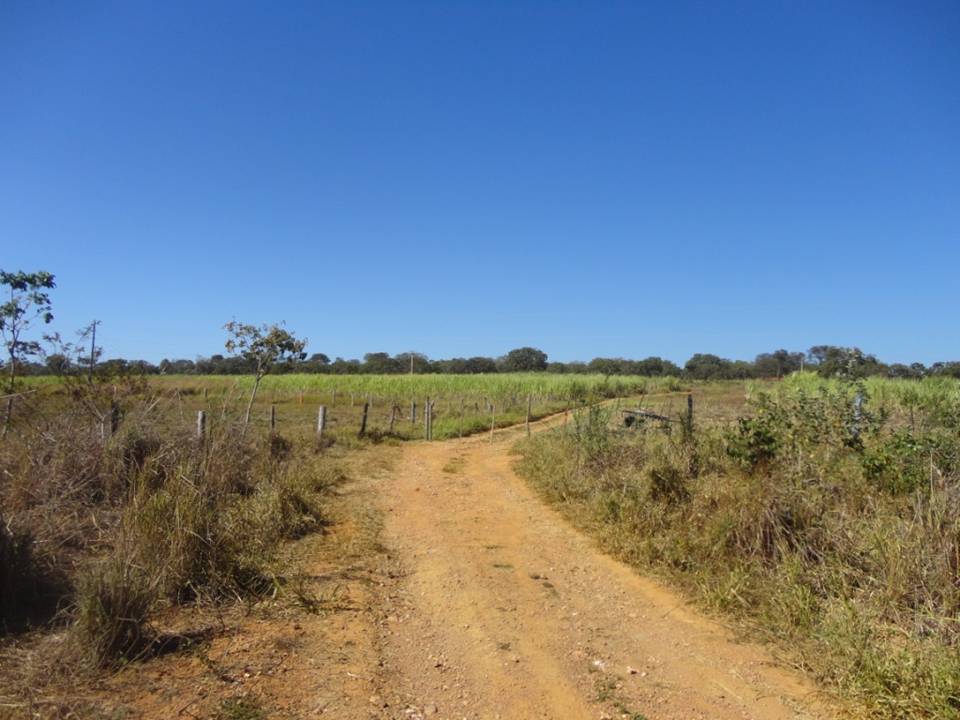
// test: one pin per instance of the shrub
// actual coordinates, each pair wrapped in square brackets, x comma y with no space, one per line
[113,599]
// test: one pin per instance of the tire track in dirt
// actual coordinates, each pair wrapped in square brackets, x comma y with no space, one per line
[503,610]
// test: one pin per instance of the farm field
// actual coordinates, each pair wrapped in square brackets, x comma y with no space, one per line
[462,404]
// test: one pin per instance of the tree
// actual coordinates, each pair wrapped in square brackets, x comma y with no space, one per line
[832,361]
[705,366]
[525,359]
[380,363]
[412,362]
[777,364]
[263,347]
[28,302]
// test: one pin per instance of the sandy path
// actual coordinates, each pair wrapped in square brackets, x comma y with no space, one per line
[503,610]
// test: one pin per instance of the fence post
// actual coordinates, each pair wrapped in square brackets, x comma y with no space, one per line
[493,420]
[321,421]
[460,428]
[363,420]
[393,417]
[690,411]
[428,413]
[273,417]
[413,411]
[528,415]
[201,425]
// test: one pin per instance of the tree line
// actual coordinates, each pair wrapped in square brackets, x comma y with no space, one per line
[826,360]
[27,303]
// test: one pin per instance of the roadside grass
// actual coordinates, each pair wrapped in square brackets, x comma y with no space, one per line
[831,529]
[102,538]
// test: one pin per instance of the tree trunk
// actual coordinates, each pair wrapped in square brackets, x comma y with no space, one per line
[11,386]
[253,395]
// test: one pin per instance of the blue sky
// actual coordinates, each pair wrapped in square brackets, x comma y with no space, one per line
[595,179]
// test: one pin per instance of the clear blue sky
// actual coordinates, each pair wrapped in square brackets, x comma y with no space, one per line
[612,179]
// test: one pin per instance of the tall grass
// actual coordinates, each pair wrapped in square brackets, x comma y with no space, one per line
[111,530]
[828,523]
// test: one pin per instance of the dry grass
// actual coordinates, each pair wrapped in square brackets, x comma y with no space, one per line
[838,537]
[101,536]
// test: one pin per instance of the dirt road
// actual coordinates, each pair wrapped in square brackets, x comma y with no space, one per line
[503,610]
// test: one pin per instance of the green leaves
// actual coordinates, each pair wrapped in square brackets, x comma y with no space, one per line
[263,345]
[27,301]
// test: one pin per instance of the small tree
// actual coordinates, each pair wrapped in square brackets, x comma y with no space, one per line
[28,302]
[263,347]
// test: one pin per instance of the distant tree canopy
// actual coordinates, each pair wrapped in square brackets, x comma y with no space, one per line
[525,359]
[826,360]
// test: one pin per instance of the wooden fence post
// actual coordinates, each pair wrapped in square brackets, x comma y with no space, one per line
[493,420]
[393,417]
[413,411]
[363,420]
[460,429]
[273,417]
[428,414]
[690,410]
[201,425]
[528,415]
[321,421]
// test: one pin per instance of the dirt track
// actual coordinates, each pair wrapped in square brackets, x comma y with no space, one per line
[505,611]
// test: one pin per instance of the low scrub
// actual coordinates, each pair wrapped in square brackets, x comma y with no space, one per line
[109,531]
[819,519]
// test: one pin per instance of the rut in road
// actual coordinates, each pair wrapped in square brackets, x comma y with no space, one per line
[506,611]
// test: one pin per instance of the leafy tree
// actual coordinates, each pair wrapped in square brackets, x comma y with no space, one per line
[777,364]
[525,359]
[479,365]
[606,366]
[412,362]
[655,366]
[704,366]
[380,363]
[833,361]
[263,347]
[28,301]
